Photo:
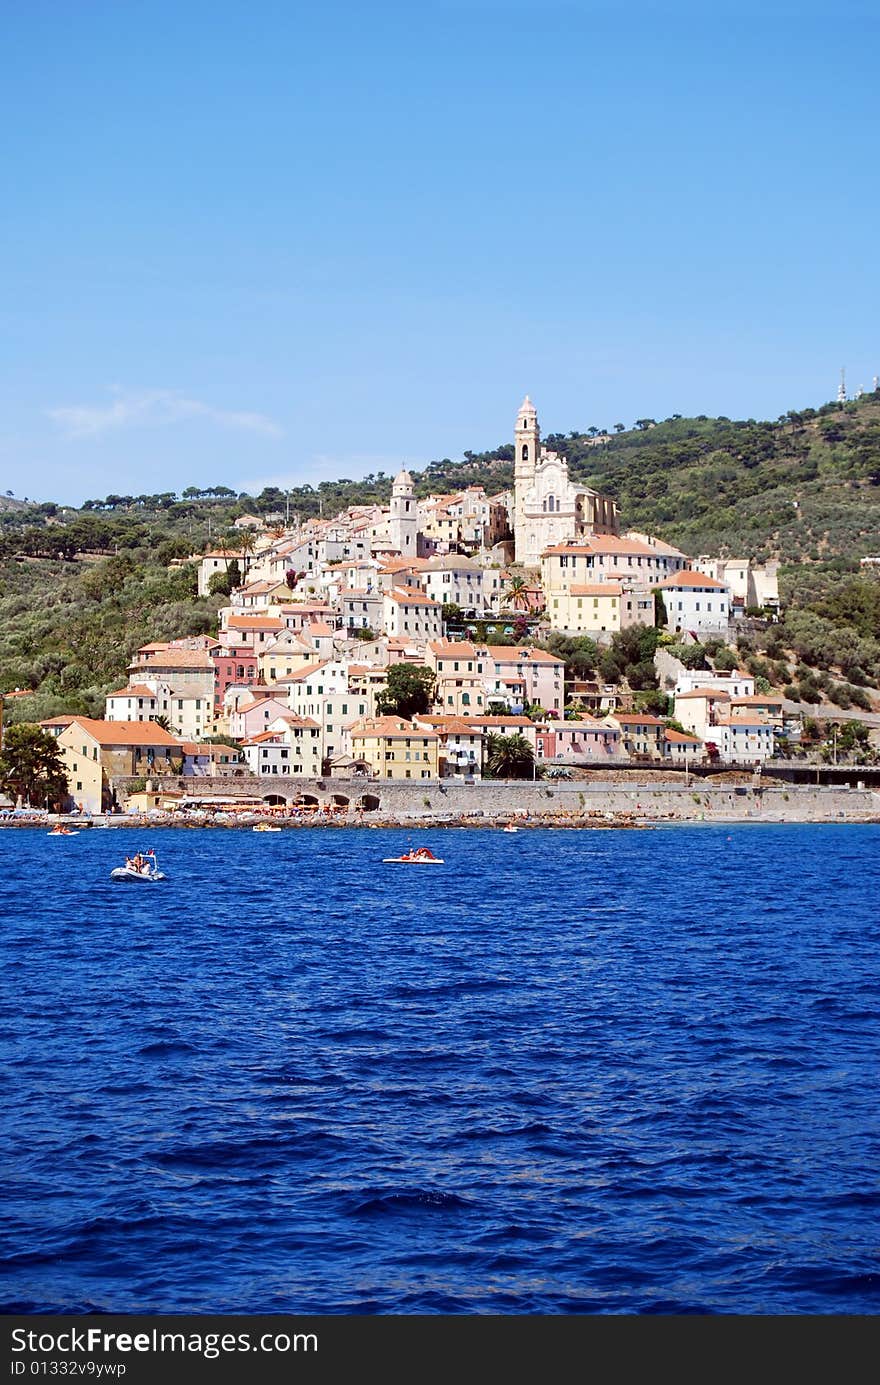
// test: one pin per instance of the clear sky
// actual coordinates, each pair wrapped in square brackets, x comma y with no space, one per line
[281,242]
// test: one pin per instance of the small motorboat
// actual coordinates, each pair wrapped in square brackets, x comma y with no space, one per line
[141,867]
[423,856]
[266,827]
[61,831]
[510,828]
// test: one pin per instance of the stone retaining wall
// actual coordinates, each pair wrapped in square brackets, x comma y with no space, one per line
[500,798]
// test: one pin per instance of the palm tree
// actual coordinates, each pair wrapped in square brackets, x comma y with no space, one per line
[518,590]
[508,757]
[247,543]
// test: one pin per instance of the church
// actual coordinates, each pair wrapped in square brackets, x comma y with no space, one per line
[548,508]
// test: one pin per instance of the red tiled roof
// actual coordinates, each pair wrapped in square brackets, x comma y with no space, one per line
[254,623]
[126,732]
[137,691]
[688,580]
[176,658]
[411,596]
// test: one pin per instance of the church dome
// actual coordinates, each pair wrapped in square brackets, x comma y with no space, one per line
[403,478]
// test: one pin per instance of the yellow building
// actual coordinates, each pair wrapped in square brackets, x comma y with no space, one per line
[289,653]
[460,670]
[96,752]
[600,607]
[395,749]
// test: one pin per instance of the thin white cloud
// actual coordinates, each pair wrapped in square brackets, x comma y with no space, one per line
[153,408]
[322,467]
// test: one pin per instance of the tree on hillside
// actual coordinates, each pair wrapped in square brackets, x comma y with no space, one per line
[219,584]
[408,692]
[508,757]
[31,767]
[247,543]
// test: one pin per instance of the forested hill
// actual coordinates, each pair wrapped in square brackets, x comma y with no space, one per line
[806,487]
[80,589]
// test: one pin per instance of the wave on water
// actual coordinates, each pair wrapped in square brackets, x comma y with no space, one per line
[628,1073]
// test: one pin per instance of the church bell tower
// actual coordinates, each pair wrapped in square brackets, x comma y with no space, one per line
[404,525]
[527,450]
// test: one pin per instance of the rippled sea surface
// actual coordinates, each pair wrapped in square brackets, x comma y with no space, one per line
[577,1072]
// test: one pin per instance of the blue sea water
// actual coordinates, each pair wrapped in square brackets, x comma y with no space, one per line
[601,1071]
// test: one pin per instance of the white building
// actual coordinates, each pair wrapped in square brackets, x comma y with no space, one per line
[139,702]
[403,523]
[695,604]
[548,506]
[409,612]
[461,582]
[736,683]
[290,746]
[743,739]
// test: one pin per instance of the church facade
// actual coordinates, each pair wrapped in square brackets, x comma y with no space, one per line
[548,507]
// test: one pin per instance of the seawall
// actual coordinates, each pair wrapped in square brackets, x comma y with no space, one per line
[577,798]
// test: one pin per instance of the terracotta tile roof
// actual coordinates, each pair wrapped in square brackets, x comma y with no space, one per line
[244,622]
[136,691]
[371,728]
[677,738]
[636,719]
[319,627]
[126,732]
[703,692]
[455,726]
[404,564]
[255,702]
[687,580]
[606,544]
[453,649]
[176,658]
[411,596]
[303,673]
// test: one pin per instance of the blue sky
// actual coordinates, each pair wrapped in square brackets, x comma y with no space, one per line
[285,242]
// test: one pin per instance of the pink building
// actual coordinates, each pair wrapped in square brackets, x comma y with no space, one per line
[250,718]
[234,664]
[587,739]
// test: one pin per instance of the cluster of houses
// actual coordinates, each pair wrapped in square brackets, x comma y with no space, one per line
[322,610]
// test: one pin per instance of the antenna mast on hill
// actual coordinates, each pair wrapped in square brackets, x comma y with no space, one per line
[841,388]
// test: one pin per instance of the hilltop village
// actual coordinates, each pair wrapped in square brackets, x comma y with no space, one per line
[430,640]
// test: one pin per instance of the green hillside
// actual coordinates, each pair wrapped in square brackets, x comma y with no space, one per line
[81,589]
